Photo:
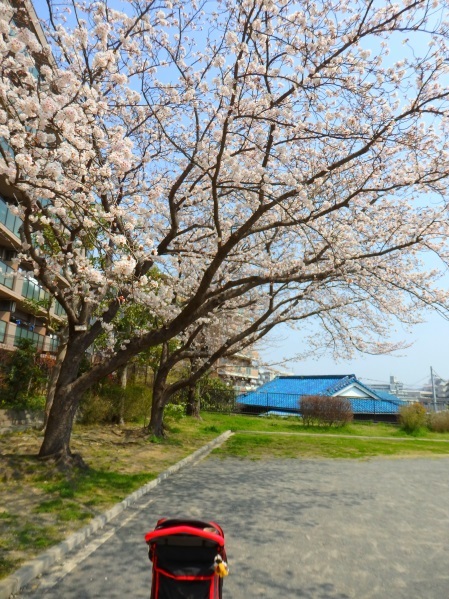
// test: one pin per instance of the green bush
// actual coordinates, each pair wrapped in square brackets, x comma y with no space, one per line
[23,378]
[439,422]
[321,409]
[216,395]
[174,411]
[95,409]
[412,418]
[109,401]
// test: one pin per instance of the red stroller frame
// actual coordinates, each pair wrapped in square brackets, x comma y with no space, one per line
[183,553]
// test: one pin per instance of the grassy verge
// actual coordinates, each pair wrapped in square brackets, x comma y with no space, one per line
[256,447]
[40,505]
[221,422]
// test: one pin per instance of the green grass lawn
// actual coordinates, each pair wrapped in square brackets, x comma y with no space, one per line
[258,446]
[236,423]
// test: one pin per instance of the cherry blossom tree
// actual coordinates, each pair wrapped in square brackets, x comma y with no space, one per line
[221,335]
[235,146]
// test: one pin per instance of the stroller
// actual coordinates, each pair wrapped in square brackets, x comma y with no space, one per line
[189,559]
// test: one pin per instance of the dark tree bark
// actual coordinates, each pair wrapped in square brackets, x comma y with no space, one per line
[193,402]
[160,399]
[123,383]
[193,396]
[160,396]
[56,443]
[54,376]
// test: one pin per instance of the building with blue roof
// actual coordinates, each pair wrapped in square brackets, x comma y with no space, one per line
[283,396]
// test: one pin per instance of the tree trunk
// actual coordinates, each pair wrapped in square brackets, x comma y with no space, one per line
[193,402]
[123,383]
[160,398]
[58,431]
[54,376]
[56,443]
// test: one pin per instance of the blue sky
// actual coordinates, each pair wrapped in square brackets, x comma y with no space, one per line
[411,366]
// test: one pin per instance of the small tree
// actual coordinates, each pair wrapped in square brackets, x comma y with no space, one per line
[412,418]
[23,375]
[439,422]
[216,395]
[211,393]
[322,409]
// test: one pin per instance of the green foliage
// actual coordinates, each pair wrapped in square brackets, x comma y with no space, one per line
[216,395]
[36,307]
[438,422]
[412,418]
[35,402]
[23,379]
[174,411]
[108,401]
[135,317]
[324,410]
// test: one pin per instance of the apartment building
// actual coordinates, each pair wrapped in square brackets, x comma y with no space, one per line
[240,370]
[245,371]
[25,311]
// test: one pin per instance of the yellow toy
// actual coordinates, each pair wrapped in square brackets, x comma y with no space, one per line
[221,567]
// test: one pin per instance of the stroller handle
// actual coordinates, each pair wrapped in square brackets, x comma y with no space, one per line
[184,530]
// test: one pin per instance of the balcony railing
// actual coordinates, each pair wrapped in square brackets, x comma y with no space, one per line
[59,310]
[2,331]
[54,342]
[33,291]
[39,340]
[6,275]
[7,218]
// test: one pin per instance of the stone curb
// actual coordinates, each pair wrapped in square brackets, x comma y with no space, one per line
[24,575]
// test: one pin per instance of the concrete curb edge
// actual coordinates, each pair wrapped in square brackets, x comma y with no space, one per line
[30,570]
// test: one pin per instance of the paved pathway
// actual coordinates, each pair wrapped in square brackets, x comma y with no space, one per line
[313,529]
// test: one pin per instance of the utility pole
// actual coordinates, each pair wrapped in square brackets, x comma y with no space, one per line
[433,390]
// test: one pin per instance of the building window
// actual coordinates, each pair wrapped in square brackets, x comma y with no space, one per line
[33,291]
[11,222]
[59,310]
[6,275]
[27,334]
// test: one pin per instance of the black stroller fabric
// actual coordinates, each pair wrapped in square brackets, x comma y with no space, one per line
[183,589]
[183,553]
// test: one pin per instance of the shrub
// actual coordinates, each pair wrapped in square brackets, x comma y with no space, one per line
[175,411]
[95,409]
[108,401]
[412,418]
[321,409]
[216,395]
[439,422]
[22,377]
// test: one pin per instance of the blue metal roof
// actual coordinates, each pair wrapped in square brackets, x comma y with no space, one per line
[307,385]
[285,392]
[389,397]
